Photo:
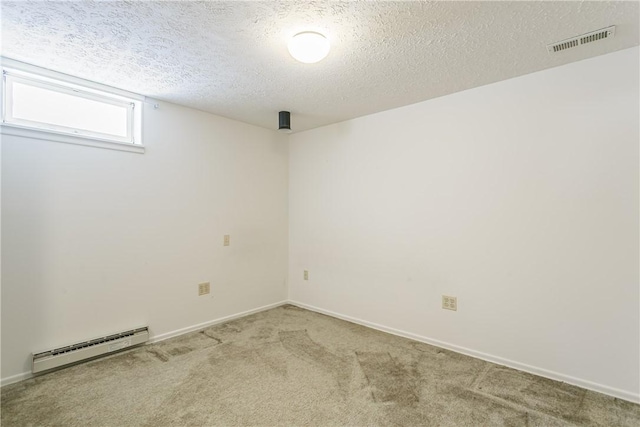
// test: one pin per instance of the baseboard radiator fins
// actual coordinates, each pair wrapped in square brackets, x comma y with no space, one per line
[62,356]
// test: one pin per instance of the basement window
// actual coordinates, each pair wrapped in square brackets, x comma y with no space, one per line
[43,107]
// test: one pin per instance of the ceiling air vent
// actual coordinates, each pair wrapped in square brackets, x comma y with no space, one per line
[605,33]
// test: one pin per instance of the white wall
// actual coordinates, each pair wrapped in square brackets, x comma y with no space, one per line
[96,241]
[520,198]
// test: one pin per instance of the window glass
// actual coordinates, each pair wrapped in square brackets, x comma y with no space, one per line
[45,104]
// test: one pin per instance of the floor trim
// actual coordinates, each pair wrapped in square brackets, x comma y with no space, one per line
[600,388]
[177,332]
[161,337]
[15,378]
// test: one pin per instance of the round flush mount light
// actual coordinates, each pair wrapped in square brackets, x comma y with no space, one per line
[309,47]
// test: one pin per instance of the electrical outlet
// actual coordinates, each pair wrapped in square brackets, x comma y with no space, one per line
[227,240]
[449,303]
[306,275]
[204,288]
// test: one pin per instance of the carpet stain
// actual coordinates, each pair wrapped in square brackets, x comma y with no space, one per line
[185,344]
[390,381]
[158,354]
[130,359]
[292,367]
[262,357]
[439,368]
[232,368]
[480,409]
[550,397]
[300,345]
[221,329]
[179,351]
[263,333]
[208,333]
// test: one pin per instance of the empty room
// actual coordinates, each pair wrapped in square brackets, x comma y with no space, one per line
[320,213]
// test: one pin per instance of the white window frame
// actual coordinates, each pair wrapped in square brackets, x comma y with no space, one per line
[15,72]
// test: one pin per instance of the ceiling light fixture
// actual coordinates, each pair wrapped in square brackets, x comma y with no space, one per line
[284,121]
[309,47]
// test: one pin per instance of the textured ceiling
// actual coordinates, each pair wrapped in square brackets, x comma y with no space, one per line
[231,58]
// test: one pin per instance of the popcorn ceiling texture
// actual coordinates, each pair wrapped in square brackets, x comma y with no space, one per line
[231,59]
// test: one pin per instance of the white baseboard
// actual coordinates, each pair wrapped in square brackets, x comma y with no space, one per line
[15,378]
[600,388]
[26,375]
[167,335]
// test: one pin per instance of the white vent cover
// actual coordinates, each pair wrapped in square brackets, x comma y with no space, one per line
[50,359]
[605,33]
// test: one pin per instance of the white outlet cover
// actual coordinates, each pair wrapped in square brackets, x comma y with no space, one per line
[449,303]
[204,288]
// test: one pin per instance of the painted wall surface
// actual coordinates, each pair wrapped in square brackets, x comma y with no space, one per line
[97,241]
[520,198]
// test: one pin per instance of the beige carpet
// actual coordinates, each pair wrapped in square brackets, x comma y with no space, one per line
[293,367]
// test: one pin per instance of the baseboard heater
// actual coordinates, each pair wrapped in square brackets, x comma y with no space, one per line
[62,356]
